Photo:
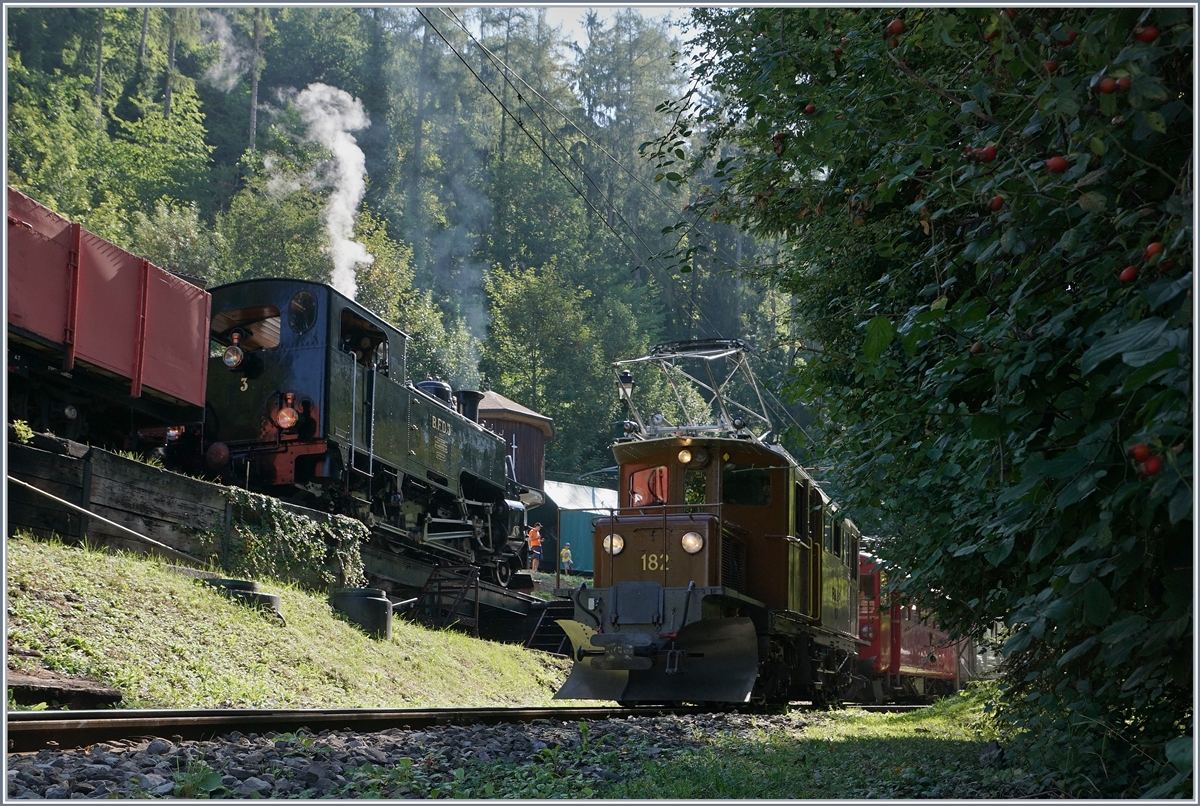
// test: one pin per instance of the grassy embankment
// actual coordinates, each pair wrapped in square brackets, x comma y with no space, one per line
[167,641]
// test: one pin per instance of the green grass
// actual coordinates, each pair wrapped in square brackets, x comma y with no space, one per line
[168,642]
[931,753]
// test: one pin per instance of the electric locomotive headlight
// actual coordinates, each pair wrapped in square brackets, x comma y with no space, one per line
[233,355]
[685,456]
[614,544]
[692,542]
[867,632]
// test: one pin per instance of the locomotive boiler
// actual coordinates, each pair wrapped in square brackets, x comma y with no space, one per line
[726,574]
[308,401]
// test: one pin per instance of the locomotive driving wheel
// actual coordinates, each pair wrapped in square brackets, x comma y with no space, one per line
[502,573]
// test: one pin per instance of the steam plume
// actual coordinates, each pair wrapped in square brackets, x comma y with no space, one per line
[331,114]
[235,60]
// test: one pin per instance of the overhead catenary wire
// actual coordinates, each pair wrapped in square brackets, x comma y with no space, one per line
[521,125]
[504,70]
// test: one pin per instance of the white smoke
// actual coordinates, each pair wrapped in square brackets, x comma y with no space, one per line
[331,114]
[234,60]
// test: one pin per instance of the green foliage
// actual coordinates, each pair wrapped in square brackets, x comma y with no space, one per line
[983,372]
[22,431]
[198,780]
[174,237]
[271,541]
[538,338]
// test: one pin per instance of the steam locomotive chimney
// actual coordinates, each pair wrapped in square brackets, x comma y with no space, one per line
[468,403]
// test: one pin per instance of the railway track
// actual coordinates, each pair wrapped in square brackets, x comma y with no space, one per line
[30,731]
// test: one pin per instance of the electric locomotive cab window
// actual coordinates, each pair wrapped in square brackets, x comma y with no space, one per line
[694,494]
[648,487]
[745,486]
[257,328]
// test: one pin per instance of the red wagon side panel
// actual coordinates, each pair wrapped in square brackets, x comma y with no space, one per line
[176,355]
[39,244]
[105,306]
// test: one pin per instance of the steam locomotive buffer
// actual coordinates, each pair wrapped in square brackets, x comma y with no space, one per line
[726,574]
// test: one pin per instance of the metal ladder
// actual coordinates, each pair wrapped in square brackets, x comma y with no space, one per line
[449,585]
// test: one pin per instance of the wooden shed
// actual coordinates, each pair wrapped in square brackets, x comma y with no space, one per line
[525,433]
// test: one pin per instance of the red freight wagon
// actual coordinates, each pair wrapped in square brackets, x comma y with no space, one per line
[101,343]
[906,656]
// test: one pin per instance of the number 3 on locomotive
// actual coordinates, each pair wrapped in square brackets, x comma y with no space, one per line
[655,562]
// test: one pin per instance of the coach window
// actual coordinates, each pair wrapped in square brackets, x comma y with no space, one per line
[838,544]
[800,526]
[648,487]
[257,328]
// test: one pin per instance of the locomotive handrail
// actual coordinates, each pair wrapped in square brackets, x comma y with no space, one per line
[125,530]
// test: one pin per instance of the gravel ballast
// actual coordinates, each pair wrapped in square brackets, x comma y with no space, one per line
[325,764]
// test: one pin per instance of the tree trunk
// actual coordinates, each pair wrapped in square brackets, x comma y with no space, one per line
[100,65]
[255,71]
[170,64]
[141,63]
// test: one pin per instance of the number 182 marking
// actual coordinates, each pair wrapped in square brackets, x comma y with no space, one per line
[655,562]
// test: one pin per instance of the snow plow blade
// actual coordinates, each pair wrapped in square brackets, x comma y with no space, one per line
[710,661]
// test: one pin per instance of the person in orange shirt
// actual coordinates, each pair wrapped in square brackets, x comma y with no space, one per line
[535,546]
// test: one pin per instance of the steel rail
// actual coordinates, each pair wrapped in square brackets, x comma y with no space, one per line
[30,731]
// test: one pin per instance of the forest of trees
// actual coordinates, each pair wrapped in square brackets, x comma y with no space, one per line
[492,177]
[961,239]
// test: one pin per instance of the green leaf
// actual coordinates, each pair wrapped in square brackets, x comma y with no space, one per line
[1093,201]
[987,426]
[1141,335]
[1179,753]
[879,336]
[209,782]
[1156,122]
[1180,507]
[1075,651]
[1097,603]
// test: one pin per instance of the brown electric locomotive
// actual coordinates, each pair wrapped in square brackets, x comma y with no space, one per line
[726,574]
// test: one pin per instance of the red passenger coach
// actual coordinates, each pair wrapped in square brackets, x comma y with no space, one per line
[101,343]
[907,657]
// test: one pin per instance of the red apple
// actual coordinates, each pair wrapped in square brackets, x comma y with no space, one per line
[977,348]
[1129,274]
[1140,452]
[808,110]
[1057,165]
[1151,466]
[996,203]
[987,154]
[837,51]
[1147,34]
[1071,37]
[897,27]
[1124,83]
[1152,250]
[1050,66]
[1107,85]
